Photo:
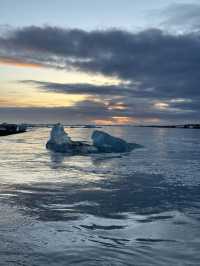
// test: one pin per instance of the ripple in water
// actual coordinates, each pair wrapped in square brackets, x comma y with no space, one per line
[140,208]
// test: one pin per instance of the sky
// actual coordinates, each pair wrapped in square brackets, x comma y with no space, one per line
[102,62]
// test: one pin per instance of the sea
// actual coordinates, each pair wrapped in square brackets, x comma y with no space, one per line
[137,208]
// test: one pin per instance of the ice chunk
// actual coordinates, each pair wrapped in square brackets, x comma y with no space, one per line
[58,135]
[60,142]
[102,142]
[107,143]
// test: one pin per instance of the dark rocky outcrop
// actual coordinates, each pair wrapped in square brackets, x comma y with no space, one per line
[9,129]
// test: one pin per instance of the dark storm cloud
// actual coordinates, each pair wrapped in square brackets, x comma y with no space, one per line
[83,89]
[90,111]
[188,105]
[82,112]
[158,66]
[105,102]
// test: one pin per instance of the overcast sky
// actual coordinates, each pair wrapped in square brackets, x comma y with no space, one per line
[99,62]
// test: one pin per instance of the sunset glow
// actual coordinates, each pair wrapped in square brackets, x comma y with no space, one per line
[18,63]
[114,70]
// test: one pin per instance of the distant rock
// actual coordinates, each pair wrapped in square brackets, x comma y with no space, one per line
[9,129]
[102,143]
[107,143]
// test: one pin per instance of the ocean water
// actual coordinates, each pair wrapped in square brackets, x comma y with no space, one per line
[139,208]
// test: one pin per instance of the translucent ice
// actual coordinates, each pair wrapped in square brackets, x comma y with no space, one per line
[107,143]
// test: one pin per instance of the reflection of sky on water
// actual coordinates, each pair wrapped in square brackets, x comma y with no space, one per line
[114,207]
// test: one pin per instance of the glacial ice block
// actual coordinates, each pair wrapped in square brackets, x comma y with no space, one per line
[59,136]
[102,143]
[60,142]
[107,143]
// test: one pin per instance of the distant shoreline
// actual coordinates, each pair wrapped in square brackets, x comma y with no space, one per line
[184,126]
[9,129]
[187,126]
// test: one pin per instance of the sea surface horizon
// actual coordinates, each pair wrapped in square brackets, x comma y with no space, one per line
[138,208]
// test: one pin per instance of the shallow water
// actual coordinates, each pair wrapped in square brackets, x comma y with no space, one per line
[140,208]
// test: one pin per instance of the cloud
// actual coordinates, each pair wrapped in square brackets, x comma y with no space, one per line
[126,99]
[91,112]
[82,112]
[154,67]
[83,89]
[18,62]
[182,16]
[119,103]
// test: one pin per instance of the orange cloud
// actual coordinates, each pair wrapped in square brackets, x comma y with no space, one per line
[18,62]
[121,120]
[103,122]
[117,107]
[124,120]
